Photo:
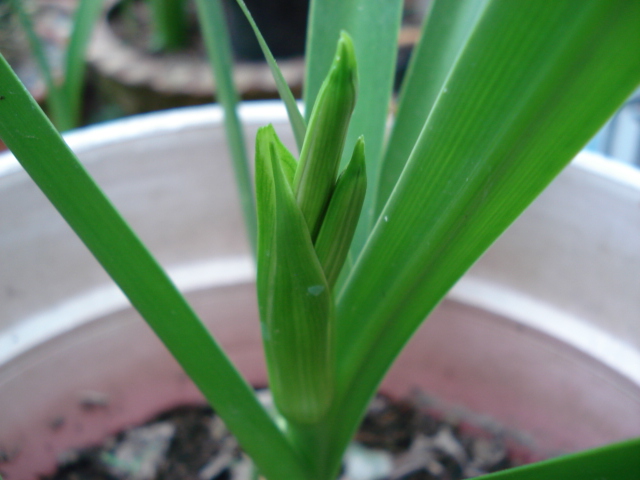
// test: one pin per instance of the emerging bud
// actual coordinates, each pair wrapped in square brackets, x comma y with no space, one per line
[325,137]
[296,308]
[341,219]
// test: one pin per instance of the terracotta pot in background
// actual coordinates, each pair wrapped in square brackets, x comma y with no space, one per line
[540,336]
[140,80]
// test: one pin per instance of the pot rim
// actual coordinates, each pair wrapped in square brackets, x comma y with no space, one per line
[210,273]
[256,113]
[149,124]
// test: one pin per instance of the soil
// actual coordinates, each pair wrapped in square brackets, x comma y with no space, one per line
[398,440]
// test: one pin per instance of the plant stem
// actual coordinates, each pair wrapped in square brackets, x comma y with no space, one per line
[313,442]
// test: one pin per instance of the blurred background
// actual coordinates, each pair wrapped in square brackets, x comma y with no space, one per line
[137,63]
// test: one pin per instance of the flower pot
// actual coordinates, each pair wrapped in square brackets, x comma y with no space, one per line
[140,80]
[540,336]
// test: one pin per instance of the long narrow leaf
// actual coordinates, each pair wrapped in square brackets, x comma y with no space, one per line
[52,165]
[374,26]
[296,119]
[536,80]
[84,20]
[327,18]
[444,33]
[216,38]
[620,461]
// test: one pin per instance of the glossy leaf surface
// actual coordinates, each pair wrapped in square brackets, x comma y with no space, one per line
[444,33]
[531,87]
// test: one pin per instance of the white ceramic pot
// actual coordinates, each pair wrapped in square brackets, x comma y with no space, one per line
[541,335]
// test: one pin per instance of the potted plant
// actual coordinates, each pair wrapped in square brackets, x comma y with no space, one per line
[76,341]
[480,180]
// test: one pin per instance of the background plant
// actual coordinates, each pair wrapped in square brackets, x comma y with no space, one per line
[64,99]
[169,24]
[498,98]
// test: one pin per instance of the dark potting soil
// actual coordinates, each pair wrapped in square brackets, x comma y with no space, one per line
[397,441]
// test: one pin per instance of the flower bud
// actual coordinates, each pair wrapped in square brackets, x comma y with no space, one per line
[326,134]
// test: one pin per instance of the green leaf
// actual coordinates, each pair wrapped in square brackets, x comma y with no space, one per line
[216,36]
[619,461]
[85,17]
[374,27]
[533,84]
[322,149]
[288,163]
[64,101]
[54,168]
[298,124]
[511,115]
[444,33]
[339,224]
[296,307]
[169,24]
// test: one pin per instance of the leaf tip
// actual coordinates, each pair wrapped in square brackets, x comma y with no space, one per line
[345,59]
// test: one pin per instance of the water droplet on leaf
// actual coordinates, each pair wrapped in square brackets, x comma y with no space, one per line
[315,290]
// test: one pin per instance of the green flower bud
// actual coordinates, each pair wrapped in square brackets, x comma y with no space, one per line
[324,141]
[296,308]
[341,219]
